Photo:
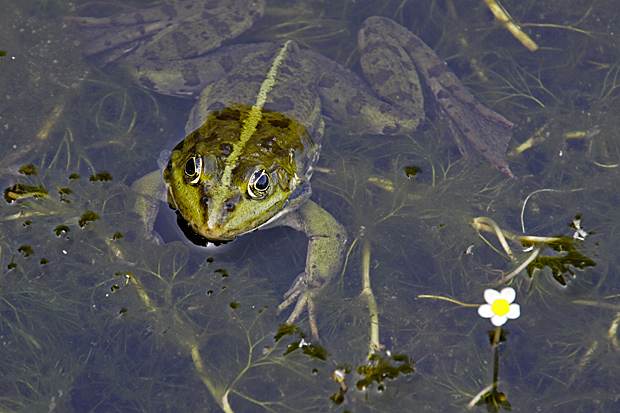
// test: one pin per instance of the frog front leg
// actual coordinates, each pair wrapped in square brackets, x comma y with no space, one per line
[326,246]
[150,191]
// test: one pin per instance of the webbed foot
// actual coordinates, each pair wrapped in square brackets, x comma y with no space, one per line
[304,294]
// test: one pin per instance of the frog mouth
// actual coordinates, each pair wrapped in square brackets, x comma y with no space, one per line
[197,238]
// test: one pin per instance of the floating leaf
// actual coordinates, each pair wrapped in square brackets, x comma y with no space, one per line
[494,400]
[412,170]
[103,176]
[87,218]
[26,250]
[60,229]
[288,330]
[315,351]
[63,192]
[28,170]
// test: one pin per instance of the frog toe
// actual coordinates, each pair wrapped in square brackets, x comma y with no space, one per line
[304,301]
[303,294]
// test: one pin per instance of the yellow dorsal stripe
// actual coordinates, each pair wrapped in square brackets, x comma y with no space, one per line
[249,127]
[255,115]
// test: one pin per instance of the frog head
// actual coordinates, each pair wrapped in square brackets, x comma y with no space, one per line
[226,179]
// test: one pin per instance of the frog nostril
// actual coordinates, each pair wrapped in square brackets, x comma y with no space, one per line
[230,204]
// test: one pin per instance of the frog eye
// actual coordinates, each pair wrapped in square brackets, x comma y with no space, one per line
[193,169]
[259,184]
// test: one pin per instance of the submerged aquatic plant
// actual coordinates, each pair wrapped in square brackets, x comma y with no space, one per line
[560,266]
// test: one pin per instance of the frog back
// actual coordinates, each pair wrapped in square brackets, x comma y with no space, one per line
[277,77]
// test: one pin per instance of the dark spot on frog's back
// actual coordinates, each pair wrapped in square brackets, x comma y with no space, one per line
[294,64]
[437,70]
[226,148]
[227,63]
[265,58]
[385,108]
[238,18]
[182,44]
[139,17]
[442,94]
[327,81]
[227,113]
[221,27]
[415,43]
[169,10]
[286,70]
[191,78]
[211,4]
[354,108]
[282,123]
[380,76]
[267,144]
[372,46]
[282,104]
[249,78]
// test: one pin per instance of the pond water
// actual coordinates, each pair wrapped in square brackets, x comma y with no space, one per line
[93,317]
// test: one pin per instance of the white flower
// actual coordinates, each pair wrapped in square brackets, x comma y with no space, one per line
[499,307]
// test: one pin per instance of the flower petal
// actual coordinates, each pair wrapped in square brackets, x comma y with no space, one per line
[498,320]
[486,311]
[508,294]
[514,311]
[491,295]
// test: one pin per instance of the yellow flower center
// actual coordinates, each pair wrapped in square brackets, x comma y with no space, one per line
[500,307]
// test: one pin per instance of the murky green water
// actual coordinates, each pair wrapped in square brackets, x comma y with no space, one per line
[93,322]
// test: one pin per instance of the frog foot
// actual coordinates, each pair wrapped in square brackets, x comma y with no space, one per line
[304,294]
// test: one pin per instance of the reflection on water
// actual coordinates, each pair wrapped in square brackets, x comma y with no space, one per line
[95,318]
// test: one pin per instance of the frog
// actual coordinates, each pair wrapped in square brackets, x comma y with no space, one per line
[255,132]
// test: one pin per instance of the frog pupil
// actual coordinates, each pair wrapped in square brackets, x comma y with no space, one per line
[190,167]
[262,183]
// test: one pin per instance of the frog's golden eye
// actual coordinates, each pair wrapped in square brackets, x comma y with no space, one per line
[193,169]
[259,184]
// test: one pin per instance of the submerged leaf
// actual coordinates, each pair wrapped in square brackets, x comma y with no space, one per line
[28,170]
[87,218]
[561,266]
[383,370]
[103,176]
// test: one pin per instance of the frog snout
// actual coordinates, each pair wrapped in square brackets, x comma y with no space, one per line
[218,211]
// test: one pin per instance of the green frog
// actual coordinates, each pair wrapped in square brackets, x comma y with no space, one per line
[255,132]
